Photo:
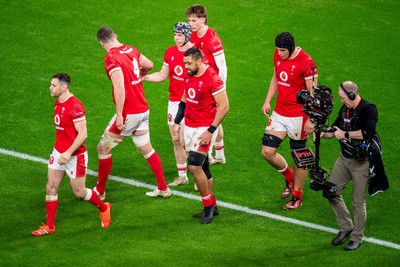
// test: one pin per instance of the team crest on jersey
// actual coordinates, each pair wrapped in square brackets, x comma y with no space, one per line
[178,70]
[293,67]
[172,58]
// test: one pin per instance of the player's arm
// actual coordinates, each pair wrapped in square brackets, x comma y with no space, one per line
[272,90]
[117,79]
[80,127]
[181,110]
[160,76]
[146,63]
[179,117]
[311,76]
[308,126]
[310,85]
[221,64]
[222,109]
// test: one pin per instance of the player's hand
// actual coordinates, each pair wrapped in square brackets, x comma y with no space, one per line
[266,108]
[64,157]
[308,127]
[205,138]
[321,135]
[175,131]
[143,71]
[120,123]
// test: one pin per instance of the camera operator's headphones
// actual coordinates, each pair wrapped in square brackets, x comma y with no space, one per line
[351,95]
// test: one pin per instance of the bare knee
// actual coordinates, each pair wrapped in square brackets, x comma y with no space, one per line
[51,189]
[268,153]
[101,150]
[195,169]
[79,192]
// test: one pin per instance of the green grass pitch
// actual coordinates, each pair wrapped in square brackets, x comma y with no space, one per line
[349,40]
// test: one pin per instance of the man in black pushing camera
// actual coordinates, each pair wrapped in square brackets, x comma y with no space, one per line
[354,128]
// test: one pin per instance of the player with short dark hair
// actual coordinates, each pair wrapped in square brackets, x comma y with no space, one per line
[125,66]
[294,70]
[69,156]
[204,105]
[174,69]
[209,43]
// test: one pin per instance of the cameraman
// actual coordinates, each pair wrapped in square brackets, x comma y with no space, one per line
[354,127]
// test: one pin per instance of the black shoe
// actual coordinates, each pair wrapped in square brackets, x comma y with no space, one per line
[200,214]
[352,245]
[340,238]
[208,214]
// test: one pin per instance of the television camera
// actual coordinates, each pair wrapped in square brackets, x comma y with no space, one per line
[318,108]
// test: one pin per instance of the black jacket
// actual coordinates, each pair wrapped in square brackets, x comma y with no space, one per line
[378,181]
[364,117]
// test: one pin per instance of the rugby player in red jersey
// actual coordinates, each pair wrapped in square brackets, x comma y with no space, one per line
[294,70]
[69,156]
[174,69]
[204,105]
[125,66]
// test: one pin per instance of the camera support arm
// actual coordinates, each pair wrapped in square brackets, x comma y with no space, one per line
[317,143]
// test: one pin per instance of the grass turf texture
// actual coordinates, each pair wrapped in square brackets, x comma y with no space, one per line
[353,41]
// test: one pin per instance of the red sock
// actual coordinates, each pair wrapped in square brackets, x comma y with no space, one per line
[214,201]
[104,169]
[207,200]
[154,162]
[51,209]
[95,200]
[297,194]
[288,174]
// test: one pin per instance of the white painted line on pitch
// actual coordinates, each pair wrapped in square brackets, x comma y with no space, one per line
[220,203]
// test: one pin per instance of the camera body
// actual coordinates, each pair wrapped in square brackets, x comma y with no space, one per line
[319,107]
